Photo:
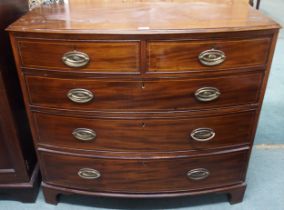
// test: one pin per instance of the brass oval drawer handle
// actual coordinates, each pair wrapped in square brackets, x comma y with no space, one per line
[207,94]
[212,57]
[84,134]
[89,173]
[79,95]
[75,59]
[198,174]
[203,134]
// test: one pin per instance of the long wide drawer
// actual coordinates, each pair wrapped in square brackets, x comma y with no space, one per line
[182,56]
[147,135]
[164,94]
[143,175]
[108,56]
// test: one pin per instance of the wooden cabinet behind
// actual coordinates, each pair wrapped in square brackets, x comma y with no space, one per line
[18,170]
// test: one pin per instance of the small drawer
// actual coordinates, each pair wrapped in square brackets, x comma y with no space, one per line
[125,95]
[145,135]
[143,175]
[183,56]
[80,56]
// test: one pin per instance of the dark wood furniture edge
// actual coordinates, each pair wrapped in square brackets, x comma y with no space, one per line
[25,192]
[251,2]
[236,195]
[12,28]
[262,93]
[84,37]
[138,156]
[257,4]
[52,193]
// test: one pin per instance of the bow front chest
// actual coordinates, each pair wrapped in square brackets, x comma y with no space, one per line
[144,98]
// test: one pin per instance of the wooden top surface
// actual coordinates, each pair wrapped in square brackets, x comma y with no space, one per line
[144,17]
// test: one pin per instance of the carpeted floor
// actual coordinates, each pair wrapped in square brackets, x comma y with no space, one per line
[266,171]
[272,116]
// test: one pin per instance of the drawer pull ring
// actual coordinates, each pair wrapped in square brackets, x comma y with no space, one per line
[202,134]
[79,95]
[75,59]
[89,173]
[212,57]
[198,174]
[84,134]
[207,94]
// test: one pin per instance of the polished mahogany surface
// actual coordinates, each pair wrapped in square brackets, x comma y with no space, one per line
[143,17]
[145,135]
[162,56]
[181,56]
[144,98]
[103,55]
[144,175]
[167,94]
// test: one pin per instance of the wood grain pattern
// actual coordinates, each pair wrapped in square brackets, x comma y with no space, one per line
[143,176]
[144,135]
[104,56]
[144,17]
[52,193]
[166,94]
[5,163]
[182,56]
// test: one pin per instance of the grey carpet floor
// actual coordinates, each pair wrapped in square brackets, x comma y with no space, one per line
[272,116]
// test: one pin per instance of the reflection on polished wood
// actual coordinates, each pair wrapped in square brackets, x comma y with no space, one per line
[148,16]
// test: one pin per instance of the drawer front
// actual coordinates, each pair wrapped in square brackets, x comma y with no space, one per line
[145,135]
[182,56]
[143,176]
[166,94]
[80,56]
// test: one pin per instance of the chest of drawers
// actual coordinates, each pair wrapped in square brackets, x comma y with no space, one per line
[144,99]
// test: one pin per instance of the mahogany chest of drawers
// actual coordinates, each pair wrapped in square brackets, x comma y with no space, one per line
[144,99]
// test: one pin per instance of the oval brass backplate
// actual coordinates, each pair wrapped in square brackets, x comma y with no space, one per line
[80,95]
[84,134]
[212,57]
[75,59]
[203,134]
[198,174]
[206,94]
[89,173]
